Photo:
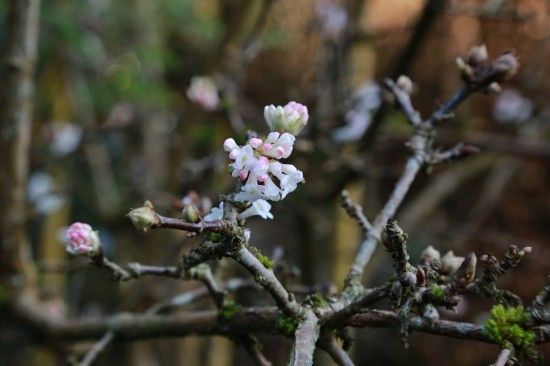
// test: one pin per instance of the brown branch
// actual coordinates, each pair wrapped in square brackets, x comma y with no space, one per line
[179,224]
[341,311]
[485,285]
[198,293]
[134,270]
[248,320]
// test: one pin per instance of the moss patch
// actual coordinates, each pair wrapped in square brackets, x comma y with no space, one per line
[438,292]
[507,329]
[286,325]
[228,310]
[264,259]
[316,300]
[214,237]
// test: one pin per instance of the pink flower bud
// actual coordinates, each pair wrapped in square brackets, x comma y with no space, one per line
[280,151]
[263,161]
[255,142]
[267,146]
[243,174]
[81,239]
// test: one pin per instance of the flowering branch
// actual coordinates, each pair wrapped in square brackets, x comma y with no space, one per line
[415,292]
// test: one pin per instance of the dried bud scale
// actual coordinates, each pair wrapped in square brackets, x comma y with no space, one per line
[465,274]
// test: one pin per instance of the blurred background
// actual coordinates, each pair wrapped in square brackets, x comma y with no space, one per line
[121,116]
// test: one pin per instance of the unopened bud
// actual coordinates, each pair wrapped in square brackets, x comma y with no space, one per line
[393,235]
[405,83]
[494,88]
[477,56]
[465,274]
[144,217]
[466,71]
[505,66]
[450,262]
[81,239]
[191,214]
[429,254]
[409,279]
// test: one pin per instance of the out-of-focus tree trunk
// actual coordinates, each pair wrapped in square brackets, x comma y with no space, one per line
[16,107]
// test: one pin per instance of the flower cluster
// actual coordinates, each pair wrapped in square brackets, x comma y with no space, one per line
[204,92]
[81,239]
[257,163]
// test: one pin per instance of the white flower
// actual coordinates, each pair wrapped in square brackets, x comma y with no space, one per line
[254,190]
[216,213]
[260,208]
[291,118]
[288,176]
[204,92]
[244,161]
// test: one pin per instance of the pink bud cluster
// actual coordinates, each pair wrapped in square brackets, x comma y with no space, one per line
[81,239]
[257,163]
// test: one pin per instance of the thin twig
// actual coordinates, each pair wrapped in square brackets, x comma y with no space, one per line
[338,355]
[96,349]
[503,357]
[421,143]
[355,212]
